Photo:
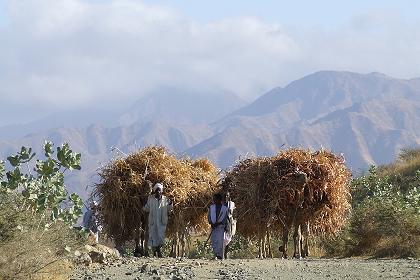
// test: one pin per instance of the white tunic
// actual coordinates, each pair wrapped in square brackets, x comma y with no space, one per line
[232,223]
[158,219]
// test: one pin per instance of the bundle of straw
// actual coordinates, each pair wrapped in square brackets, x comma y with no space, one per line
[126,183]
[325,198]
[268,190]
[247,187]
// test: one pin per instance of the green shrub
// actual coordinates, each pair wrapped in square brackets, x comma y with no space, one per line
[242,248]
[386,214]
[36,212]
[382,228]
[201,250]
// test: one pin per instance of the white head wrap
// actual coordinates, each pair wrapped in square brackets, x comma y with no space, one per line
[158,186]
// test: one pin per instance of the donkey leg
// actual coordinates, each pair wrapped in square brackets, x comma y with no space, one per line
[145,235]
[172,253]
[270,251]
[305,233]
[183,236]
[285,240]
[138,250]
[297,236]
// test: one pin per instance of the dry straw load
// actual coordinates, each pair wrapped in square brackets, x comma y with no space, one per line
[269,191]
[126,183]
[246,183]
[325,198]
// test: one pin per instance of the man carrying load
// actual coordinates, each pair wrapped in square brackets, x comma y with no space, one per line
[217,218]
[158,207]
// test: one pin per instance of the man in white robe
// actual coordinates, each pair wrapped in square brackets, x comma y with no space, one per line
[217,219]
[158,207]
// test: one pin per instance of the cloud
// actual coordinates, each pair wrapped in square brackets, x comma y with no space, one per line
[60,54]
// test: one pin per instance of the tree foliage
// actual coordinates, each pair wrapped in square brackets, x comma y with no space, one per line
[402,192]
[36,211]
[43,192]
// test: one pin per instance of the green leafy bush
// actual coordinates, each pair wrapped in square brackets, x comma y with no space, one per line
[44,192]
[36,211]
[386,217]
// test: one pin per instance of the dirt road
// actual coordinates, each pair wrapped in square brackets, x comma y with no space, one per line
[148,268]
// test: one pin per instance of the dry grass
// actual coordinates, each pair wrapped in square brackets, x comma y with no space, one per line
[35,253]
[60,270]
[126,183]
[407,164]
[266,189]
[27,251]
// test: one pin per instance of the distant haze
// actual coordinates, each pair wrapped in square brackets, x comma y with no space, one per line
[368,117]
[58,56]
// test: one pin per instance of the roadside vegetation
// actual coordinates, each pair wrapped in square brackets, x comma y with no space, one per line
[37,213]
[386,212]
[385,218]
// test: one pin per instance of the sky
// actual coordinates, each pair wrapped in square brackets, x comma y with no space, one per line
[58,55]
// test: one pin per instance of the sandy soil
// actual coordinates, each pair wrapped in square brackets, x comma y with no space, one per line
[149,268]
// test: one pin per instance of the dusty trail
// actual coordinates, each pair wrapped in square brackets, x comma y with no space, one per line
[147,268]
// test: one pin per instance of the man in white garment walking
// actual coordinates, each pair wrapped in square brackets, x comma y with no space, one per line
[158,207]
[217,217]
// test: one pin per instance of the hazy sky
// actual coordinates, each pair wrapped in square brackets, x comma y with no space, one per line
[68,54]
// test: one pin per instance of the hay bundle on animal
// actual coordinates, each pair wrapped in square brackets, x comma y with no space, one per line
[247,187]
[126,183]
[296,188]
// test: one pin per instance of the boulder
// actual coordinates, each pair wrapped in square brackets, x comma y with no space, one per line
[84,258]
[101,254]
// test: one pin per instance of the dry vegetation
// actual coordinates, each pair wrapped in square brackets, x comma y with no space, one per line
[126,183]
[27,251]
[267,189]
[385,220]
[407,164]
[386,217]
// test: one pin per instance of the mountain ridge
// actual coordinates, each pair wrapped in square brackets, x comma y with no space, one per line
[368,117]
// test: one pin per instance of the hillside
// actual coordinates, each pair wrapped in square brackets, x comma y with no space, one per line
[96,143]
[368,117]
[177,106]
[407,164]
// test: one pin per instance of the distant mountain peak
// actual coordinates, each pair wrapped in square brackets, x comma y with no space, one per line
[178,106]
[331,74]
[369,117]
[379,75]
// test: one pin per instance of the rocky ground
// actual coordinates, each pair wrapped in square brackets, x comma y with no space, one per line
[167,268]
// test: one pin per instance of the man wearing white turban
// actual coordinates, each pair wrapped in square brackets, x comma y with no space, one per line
[158,207]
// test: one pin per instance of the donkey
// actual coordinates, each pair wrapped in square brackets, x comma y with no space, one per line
[141,237]
[295,217]
[299,217]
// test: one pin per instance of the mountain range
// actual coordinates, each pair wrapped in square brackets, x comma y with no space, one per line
[368,117]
